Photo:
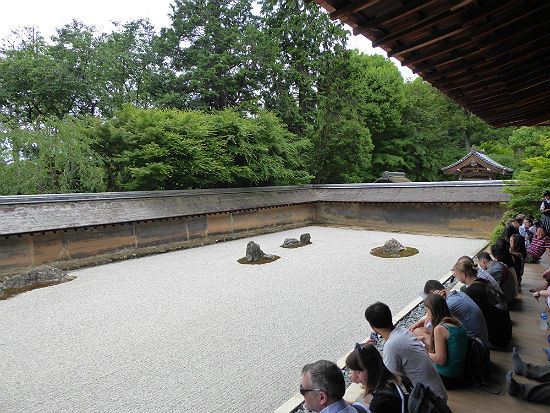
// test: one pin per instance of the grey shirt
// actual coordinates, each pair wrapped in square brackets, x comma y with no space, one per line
[469,314]
[405,354]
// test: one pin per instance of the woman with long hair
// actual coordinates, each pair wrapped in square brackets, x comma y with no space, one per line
[449,343]
[367,368]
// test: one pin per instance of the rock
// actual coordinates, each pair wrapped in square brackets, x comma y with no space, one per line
[36,275]
[269,256]
[253,252]
[291,242]
[305,238]
[392,247]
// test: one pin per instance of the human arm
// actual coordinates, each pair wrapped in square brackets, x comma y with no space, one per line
[441,334]
[419,323]
[541,293]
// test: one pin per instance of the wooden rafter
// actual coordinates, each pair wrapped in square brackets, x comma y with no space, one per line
[491,56]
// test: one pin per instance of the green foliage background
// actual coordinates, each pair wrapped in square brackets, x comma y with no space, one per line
[224,97]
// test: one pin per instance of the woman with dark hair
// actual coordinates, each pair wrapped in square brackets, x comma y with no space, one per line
[367,368]
[449,341]
[519,253]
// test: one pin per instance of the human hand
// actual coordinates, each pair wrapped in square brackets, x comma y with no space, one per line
[536,295]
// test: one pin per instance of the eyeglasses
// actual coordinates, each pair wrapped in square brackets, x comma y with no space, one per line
[304,391]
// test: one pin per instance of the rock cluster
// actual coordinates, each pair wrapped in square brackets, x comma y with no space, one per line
[290,242]
[392,247]
[37,275]
[293,242]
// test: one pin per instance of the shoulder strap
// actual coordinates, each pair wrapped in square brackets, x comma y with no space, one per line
[359,408]
[504,272]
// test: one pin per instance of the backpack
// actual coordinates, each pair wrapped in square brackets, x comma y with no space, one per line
[478,366]
[478,362]
[423,400]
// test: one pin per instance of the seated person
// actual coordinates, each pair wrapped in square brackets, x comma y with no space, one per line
[368,369]
[512,228]
[323,385]
[403,352]
[509,281]
[499,272]
[539,244]
[536,393]
[491,303]
[448,346]
[461,307]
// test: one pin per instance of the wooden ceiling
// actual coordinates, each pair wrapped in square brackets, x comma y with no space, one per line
[492,57]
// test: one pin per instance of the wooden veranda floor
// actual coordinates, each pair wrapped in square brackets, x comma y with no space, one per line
[529,340]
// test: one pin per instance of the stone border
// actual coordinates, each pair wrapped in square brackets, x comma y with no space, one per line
[354,391]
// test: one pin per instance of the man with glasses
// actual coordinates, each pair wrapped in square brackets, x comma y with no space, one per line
[323,387]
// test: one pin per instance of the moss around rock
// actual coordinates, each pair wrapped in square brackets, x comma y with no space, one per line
[407,252]
[264,260]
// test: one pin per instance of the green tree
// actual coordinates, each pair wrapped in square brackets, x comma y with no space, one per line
[211,48]
[301,37]
[154,149]
[54,157]
[341,139]
[129,65]
[531,182]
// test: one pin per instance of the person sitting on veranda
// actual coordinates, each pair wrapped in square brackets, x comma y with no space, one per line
[448,345]
[403,352]
[499,268]
[491,302]
[539,244]
[461,306]
[368,369]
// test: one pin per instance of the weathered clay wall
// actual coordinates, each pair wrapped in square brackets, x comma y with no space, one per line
[70,230]
[70,248]
[475,220]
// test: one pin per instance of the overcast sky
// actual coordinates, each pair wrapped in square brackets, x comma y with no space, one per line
[47,15]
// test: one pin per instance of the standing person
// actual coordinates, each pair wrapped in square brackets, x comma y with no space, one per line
[323,387]
[519,253]
[545,209]
[491,303]
[403,352]
[512,228]
[368,369]
[525,232]
[449,342]
[461,306]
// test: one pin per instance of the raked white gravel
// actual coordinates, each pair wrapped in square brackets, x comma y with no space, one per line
[195,331]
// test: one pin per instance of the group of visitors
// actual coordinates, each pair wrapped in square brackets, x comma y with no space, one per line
[434,350]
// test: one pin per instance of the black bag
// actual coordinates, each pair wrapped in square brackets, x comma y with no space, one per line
[478,362]
[478,366]
[423,400]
